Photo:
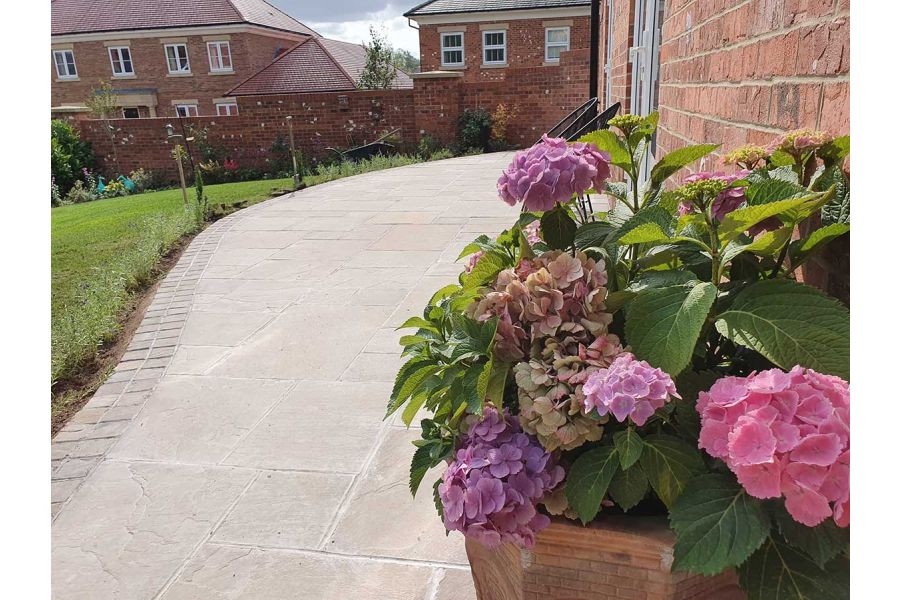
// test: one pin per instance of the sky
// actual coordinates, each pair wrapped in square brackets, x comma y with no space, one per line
[349,20]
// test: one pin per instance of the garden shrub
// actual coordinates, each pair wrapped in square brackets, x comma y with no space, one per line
[68,155]
[143,180]
[474,129]
[501,118]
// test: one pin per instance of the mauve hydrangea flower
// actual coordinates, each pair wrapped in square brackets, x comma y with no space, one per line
[551,172]
[731,198]
[784,434]
[800,141]
[533,299]
[628,388]
[550,386]
[491,488]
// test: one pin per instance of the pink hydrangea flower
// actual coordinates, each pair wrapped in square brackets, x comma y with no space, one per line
[492,486]
[784,435]
[628,388]
[551,172]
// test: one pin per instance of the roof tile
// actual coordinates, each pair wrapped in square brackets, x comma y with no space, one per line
[92,16]
[441,7]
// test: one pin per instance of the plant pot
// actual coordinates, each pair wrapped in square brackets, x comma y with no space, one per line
[613,558]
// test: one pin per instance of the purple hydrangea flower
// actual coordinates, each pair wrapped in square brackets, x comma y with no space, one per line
[551,172]
[491,488]
[629,388]
[730,199]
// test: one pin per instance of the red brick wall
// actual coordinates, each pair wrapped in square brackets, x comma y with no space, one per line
[743,72]
[319,120]
[541,97]
[734,72]
[250,52]
[524,46]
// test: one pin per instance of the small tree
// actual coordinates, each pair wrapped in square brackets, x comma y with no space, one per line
[379,72]
[103,106]
[406,60]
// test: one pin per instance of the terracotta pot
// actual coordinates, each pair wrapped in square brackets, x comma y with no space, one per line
[614,558]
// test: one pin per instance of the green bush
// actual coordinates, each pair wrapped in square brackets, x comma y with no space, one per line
[474,130]
[69,154]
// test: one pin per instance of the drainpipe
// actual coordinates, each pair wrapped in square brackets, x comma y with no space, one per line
[595,49]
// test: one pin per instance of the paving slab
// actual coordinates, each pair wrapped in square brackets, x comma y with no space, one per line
[240,451]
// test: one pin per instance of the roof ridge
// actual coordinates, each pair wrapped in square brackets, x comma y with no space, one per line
[351,78]
[278,58]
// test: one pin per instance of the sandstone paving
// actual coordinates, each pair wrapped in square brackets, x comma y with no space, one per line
[239,450]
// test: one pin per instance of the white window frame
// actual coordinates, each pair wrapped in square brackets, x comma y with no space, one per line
[461,48]
[124,108]
[187,110]
[112,63]
[548,44]
[65,63]
[485,47]
[214,49]
[231,109]
[176,58]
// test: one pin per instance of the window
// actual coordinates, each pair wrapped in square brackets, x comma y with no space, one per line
[494,43]
[177,58]
[227,109]
[131,113]
[452,49]
[556,40]
[120,59]
[219,56]
[187,110]
[65,64]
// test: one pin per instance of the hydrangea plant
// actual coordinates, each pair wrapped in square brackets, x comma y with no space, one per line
[659,357]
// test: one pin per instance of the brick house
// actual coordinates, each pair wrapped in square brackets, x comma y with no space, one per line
[163,57]
[485,39]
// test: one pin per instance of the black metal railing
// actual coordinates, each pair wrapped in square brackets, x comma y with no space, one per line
[583,119]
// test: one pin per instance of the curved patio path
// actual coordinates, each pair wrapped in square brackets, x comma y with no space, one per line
[238,450]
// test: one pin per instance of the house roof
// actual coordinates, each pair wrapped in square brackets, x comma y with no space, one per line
[314,65]
[96,16]
[444,7]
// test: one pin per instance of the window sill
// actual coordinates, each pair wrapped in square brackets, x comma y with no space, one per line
[64,79]
[453,67]
[494,65]
[550,63]
[130,76]
[179,74]
[221,72]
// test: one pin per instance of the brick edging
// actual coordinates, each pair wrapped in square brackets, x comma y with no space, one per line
[83,442]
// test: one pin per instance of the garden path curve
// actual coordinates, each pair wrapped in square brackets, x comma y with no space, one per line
[238,451]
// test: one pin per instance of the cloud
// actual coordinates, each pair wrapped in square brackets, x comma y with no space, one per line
[349,20]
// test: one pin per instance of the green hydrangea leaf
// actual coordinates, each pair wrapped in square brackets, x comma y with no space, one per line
[802,249]
[738,221]
[609,142]
[628,487]
[717,525]
[629,445]
[669,464]
[412,374]
[790,324]
[593,235]
[651,224]
[677,159]
[588,481]
[663,324]
[821,543]
[779,572]
[486,270]
[421,462]
[558,228]
[765,191]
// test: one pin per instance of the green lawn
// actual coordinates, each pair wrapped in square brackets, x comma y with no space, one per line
[102,250]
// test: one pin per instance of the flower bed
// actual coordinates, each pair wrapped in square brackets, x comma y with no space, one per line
[658,358]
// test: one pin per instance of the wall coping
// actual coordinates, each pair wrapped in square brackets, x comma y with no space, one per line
[436,74]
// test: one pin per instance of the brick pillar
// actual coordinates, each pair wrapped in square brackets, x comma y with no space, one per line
[437,104]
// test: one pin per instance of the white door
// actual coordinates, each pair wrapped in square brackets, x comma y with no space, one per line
[648,19]
[607,66]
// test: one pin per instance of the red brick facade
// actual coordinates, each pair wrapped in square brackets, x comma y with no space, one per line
[249,51]
[739,72]
[524,45]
